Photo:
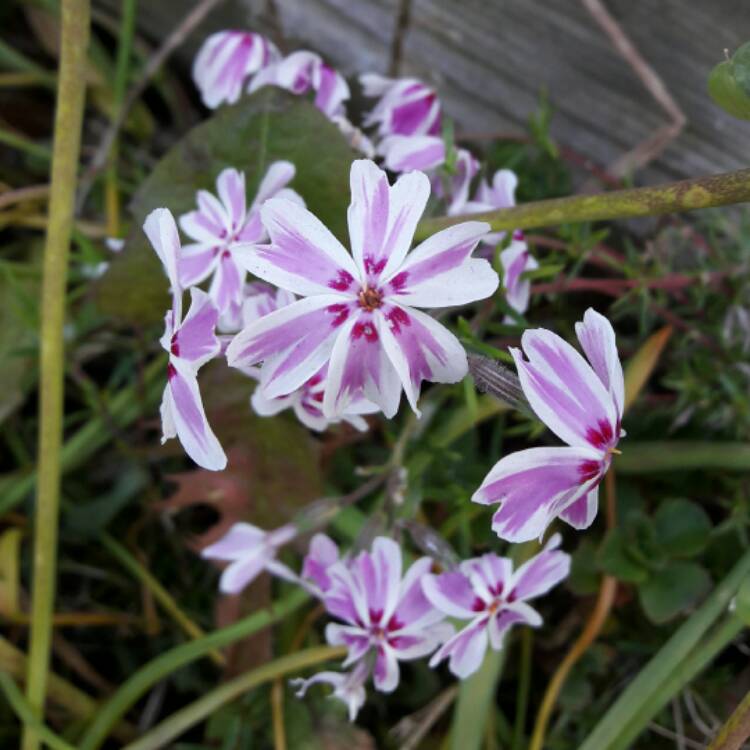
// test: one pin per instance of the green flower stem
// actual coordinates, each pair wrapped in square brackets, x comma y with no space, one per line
[180,721]
[703,192]
[167,663]
[165,599]
[476,697]
[678,661]
[25,713]
[674,455]
[22,143]
[71,95]
[682,675]
[122,410]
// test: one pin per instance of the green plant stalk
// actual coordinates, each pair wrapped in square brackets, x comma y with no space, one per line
[475,701]
[61,692]
[21,143]
[163,665]
[124,53]
[180,721]
[71,94]
[123,409]
[524,686]
[165,599]
[658,456]
[683,674]
[25,713]
[687,195]
[686,651]
[15,60]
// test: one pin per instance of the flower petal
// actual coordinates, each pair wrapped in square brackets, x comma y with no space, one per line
[581,513]
[277,176]
[359,366]
[293,342]
[404,153]
[230,185]
[451,593]
[515,260]
[440,271]
[354,638]
[500,623]
[490,575]
[241,540]
[565,392]
[597,339]
[466,649]
[420,349]
[535,485]
[382,219]
[270,407]
[161,230]
[323,553]
[195,340]
[416,642]
[414,609]
[332,91]
[228,282]
[190,421]
[381,573]
[304,257]
[543,571]
[386,674]
[197,263]
[241,573]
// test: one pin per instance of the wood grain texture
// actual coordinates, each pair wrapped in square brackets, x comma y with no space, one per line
[490,59]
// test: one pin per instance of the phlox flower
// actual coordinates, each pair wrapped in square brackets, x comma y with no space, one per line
[348,687]
[304,71]
[426,153]
[486,591]
[190,343]
[358,311]
[405,106]
[321,555]
[501,193]
[386,618]
[517,260]
[582,404]
[249,551]
[220,224]
[225,61]
[307,400]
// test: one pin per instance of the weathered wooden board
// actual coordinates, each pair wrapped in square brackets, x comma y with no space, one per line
[490,59]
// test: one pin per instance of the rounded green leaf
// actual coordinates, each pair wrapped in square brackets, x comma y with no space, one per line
[615,559]
[682,527]
[672,590]
[262,128]
[729,83]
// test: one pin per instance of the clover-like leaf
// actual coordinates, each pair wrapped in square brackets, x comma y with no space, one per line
[682,528]
[615,559]
[673,589]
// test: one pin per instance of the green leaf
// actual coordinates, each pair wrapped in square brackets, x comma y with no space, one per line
[729,83]
[583,578]
[672,590]
[260,129]
[615,559]
[682,527]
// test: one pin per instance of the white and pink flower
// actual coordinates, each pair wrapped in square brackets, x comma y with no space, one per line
[250,551]
[322,554]
[226,60]
[405,106]
[386,617]
[348,687]
[190,343]
[486,591]
[516,260]
[358,312]
[582,404]
[220,224]
[302,72]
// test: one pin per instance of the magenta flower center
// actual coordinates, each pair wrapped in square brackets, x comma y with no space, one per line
[370,299]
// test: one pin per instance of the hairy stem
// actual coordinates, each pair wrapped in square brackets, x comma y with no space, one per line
[703,192]
[71,93]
